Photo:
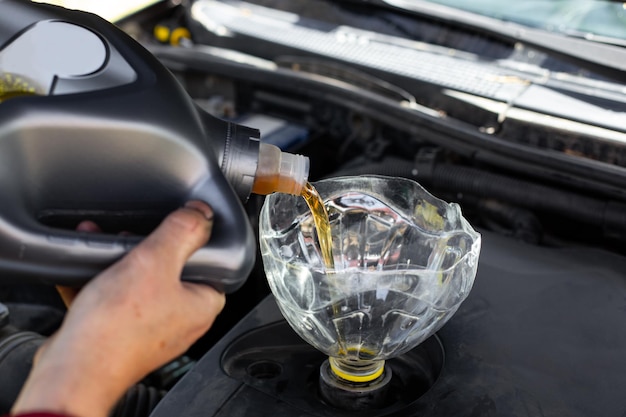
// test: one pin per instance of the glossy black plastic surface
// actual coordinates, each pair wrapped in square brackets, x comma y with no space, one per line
[541,334]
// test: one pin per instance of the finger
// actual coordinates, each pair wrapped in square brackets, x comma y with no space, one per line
[88,226]
[205,299]
[68,294]
[178,236]
[205,295]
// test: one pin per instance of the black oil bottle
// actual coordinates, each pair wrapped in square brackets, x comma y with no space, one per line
[92,125]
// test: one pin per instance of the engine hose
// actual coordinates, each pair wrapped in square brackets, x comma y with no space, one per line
[139,401]
[17,349]
[509,220]
[608,215]
[4,315]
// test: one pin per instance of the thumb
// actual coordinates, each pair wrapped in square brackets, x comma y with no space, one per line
[179,235]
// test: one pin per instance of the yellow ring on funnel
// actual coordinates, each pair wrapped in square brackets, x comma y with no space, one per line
[356,378]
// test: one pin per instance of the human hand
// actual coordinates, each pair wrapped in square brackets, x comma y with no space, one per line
[126,322]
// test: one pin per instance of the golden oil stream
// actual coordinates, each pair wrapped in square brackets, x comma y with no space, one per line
[322,225]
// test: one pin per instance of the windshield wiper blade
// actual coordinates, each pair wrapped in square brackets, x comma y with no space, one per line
[590,37]
[601,58]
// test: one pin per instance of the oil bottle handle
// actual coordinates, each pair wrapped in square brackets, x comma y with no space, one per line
[33,251]
[36,252]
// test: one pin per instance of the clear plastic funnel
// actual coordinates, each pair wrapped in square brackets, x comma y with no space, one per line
[403,263]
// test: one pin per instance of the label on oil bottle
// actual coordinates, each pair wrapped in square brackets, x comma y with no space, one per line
[13,85]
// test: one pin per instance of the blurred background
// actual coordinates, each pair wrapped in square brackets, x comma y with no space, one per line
[110,9]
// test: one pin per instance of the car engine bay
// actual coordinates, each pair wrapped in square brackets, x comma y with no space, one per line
[529,143]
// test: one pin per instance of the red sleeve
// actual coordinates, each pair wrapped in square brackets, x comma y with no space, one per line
[37,415]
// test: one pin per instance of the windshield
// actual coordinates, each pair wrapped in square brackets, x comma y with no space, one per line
[587,18]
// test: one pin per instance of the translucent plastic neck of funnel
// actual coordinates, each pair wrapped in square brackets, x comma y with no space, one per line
[279,171]
[356,371]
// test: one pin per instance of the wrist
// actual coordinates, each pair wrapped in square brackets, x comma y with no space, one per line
[69,389]
[59,394]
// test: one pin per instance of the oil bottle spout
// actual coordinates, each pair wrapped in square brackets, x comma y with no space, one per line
[279,171]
